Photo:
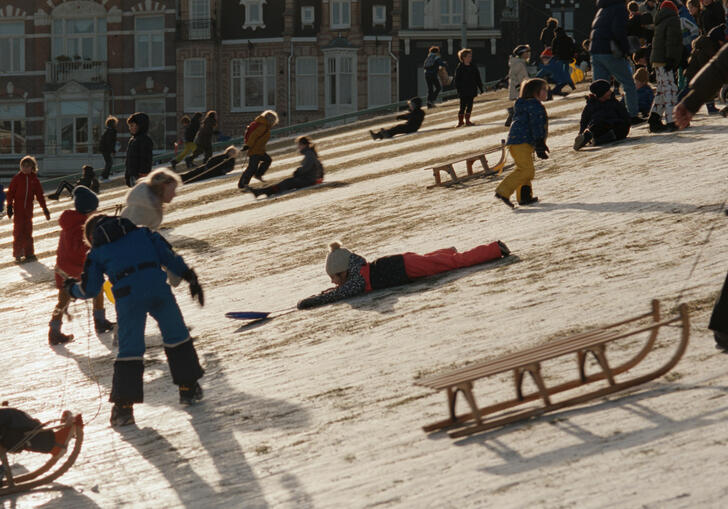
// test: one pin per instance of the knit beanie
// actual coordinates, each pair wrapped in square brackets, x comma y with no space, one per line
[547,53]
[84,199]
[642,75]
[667,4]
[338,259]
[599,87]
[417,101]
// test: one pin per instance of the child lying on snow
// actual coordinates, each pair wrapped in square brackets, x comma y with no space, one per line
[15,425]
[352,275]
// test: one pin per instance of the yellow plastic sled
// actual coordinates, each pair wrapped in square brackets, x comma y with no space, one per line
[108,292]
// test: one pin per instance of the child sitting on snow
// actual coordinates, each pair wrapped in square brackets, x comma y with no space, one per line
[70,257]
[352,275]
[88,179]
[604,119]
[414,119]
[216,166]
[133,258]
[645,92]
[554,72]
[20,432]
[309,173]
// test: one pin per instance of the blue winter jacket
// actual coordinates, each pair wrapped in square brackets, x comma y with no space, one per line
[554,71]
[645,96]
[610,24]
[530,122]
[131,257]
[432,64]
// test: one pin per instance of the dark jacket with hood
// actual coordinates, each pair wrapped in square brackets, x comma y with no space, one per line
[88,179]
[192,128]
[609,25]
[204,135]
[711,16]
[107,143]
[432,64]
[530,123]
[610,112]
[667,47]
[414,117]
[139,150]
[564,46]
[467,80]
[708,81]
[548,33]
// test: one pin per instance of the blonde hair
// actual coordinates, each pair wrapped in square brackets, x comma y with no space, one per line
[29,160]
[157,179]
[270,114]
[233,149]
[111,120]
[463,52]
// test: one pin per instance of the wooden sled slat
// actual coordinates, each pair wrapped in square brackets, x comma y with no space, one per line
[470,161]
[30,480]
[528,361]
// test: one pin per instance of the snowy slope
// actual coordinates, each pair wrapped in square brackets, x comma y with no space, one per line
[317,408]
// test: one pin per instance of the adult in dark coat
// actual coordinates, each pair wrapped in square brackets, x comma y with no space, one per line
[564,49]
[107,145]
[309,173]
[711,15]
[703,88]
[610,49]
[549,32]
[139,150]
[603,119]
[216,166]
[413,117]
[468,84]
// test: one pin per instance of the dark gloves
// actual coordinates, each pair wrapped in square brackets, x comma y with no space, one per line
[10,211]
[195,288]
[541,149]
[68,283]
[245,147]
[47,214]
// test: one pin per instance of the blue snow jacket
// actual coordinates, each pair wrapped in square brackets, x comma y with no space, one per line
[609,25]
[645,96]
[432,64]
[530,122]
[554,71]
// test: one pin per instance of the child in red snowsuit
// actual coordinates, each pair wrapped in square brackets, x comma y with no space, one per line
[352,275]
[23,188]
[70,259]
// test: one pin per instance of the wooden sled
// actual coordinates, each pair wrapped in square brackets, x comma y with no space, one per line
[529,361]
[469,162]
[46,473]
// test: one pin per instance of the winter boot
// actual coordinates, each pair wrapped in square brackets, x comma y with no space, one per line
[671,126]
[377,135]
[56,337]
[54,196]
[724,112]
[31,258]
[467,120]
[505,200]
[527,196]
[122,415]
[173,164]
[655,123]
[712,110]
[605,138]
[460,120]
[510,117]
[583,139]
[189,395]
[504,249]
[188,162]
[721,340]
[101,324]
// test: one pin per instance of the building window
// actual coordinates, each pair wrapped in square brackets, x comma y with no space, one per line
[379,79]
[68,125]
[308,14]
[155,109]
[485,13]
[12,128]
[200,25]
[451,12]
[339,74]
[566,19]
[253,17]
[194,85]
[340,13]
[379,15]
[306,83]
[12,47]
[417,14]
[253,84]
[79,39]
[149,41]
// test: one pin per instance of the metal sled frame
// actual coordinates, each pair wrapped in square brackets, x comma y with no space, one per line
[529,361]
[45,473]
[469,162]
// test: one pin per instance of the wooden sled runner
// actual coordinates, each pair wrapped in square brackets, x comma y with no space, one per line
[529,361]
[45,473]
[469,162]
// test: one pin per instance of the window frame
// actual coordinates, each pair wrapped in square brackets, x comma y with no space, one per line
[451,18]
[315,105]
[158,147]
[188,106]
[491,13]
[99,38]
[15,113]
[412,15]
[260,21]
[138,34]
[379,21]
[13,41]
[370,83]
[269,81]
[337,24]
[312,10]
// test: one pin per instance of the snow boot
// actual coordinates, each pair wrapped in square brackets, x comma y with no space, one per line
[636,120]
[583,139]
[375,136]
[721,340]
[189,395]
[103,325]
[655,123]
[54,196]
[30,258]
[724,112]
[671,126]
[712,110]
[188,162]
[510,117]
[122,415]
[527,196]
[173,164]
[467,120]
[505,200]
[605,138]
[504,249]
[460,120]
[56,337]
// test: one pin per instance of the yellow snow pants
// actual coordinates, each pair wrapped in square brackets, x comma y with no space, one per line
[523,173]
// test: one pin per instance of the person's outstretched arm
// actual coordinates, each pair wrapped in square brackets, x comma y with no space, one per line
[352,287]
[703,87]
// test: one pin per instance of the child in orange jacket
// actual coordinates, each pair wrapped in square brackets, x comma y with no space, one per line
[23,188]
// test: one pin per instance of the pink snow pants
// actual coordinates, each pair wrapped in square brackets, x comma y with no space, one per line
[443,260]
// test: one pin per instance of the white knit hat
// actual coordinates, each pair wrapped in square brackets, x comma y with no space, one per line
[337,259]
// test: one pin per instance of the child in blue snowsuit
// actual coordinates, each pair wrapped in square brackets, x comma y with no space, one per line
[552,70]
[133,258]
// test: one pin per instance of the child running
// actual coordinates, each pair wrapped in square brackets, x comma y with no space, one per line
[527,135]
[353,276]
[256,137]
[517,74]
[70,257]
[132,258]
[23,188]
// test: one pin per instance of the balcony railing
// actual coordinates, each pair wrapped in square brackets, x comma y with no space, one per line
[196,30]
[76,70]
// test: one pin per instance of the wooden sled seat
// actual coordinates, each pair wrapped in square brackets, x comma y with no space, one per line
[481,157]
[46,473]
[529,361]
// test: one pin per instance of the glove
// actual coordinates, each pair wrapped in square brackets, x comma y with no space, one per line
[47,214]
[245,147]
[541,149]
[10,211]
[195,288]
[68,283]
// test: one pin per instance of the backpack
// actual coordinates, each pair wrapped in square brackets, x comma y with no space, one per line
[248,130]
